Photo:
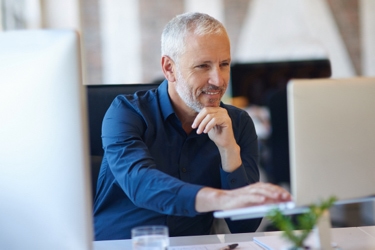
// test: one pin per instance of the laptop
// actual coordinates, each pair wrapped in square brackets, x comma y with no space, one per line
[332,141]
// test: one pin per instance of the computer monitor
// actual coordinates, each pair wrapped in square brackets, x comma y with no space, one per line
[332,142]
[45,199]
[264,84]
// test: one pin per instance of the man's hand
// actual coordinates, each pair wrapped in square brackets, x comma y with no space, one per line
[210,199]
[216,122]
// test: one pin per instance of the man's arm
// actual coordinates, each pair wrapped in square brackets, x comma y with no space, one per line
[134,168]
[217,123]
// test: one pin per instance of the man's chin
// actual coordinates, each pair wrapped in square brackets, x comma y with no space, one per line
[210,105]
[213,103]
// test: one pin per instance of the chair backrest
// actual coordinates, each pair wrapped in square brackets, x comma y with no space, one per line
[99,98]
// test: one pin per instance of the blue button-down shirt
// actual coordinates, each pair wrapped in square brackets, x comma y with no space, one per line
[152,170]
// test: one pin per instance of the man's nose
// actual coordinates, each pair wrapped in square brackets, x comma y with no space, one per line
[216,76]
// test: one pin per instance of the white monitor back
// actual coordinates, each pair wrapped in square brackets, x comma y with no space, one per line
[45,200]
[332,138]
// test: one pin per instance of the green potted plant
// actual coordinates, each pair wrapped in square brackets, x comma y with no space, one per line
[298,229]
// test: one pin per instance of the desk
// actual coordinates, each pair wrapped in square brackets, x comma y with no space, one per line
[354,238]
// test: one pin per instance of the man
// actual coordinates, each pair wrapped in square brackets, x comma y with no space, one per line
[175,154]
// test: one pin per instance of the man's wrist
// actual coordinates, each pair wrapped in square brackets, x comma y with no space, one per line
[209,199]
[230,158]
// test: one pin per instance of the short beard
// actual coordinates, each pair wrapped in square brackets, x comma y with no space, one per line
[185,94]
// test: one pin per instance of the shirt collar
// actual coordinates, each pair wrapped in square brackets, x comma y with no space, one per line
[164,99]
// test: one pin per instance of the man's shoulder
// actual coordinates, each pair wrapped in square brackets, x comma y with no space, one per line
[240,117]
[233,110]
[138,98]
[144,96]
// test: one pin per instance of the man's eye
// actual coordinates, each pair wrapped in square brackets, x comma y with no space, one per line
[202,66]
[225,64]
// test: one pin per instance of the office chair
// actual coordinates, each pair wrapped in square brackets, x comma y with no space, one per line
[99,98]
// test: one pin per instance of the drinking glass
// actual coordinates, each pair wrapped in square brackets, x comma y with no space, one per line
[150,238]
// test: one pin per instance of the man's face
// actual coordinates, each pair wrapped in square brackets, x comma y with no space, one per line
[203,71]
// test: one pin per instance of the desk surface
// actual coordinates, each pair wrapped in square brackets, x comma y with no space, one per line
[361,238]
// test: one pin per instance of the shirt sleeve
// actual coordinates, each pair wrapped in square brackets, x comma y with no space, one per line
[134,168]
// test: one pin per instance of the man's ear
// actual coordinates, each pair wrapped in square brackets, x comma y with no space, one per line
[168,66]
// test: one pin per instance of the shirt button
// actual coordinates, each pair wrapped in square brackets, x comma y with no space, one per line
[233,181]
[184,170]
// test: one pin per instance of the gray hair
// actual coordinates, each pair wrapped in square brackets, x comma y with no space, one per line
[176,30]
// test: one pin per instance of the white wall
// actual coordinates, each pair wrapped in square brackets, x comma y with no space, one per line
[272,30]
[367,10]
[61,14]
[33,14]
[121,41]
[277,30]
[214,8]
[1,16]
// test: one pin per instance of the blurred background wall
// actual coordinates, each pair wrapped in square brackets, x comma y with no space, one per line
[121,38]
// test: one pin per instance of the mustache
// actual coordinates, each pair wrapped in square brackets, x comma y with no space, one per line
[210,88]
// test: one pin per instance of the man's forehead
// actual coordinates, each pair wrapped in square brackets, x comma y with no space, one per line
[203,48]
[206,56]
